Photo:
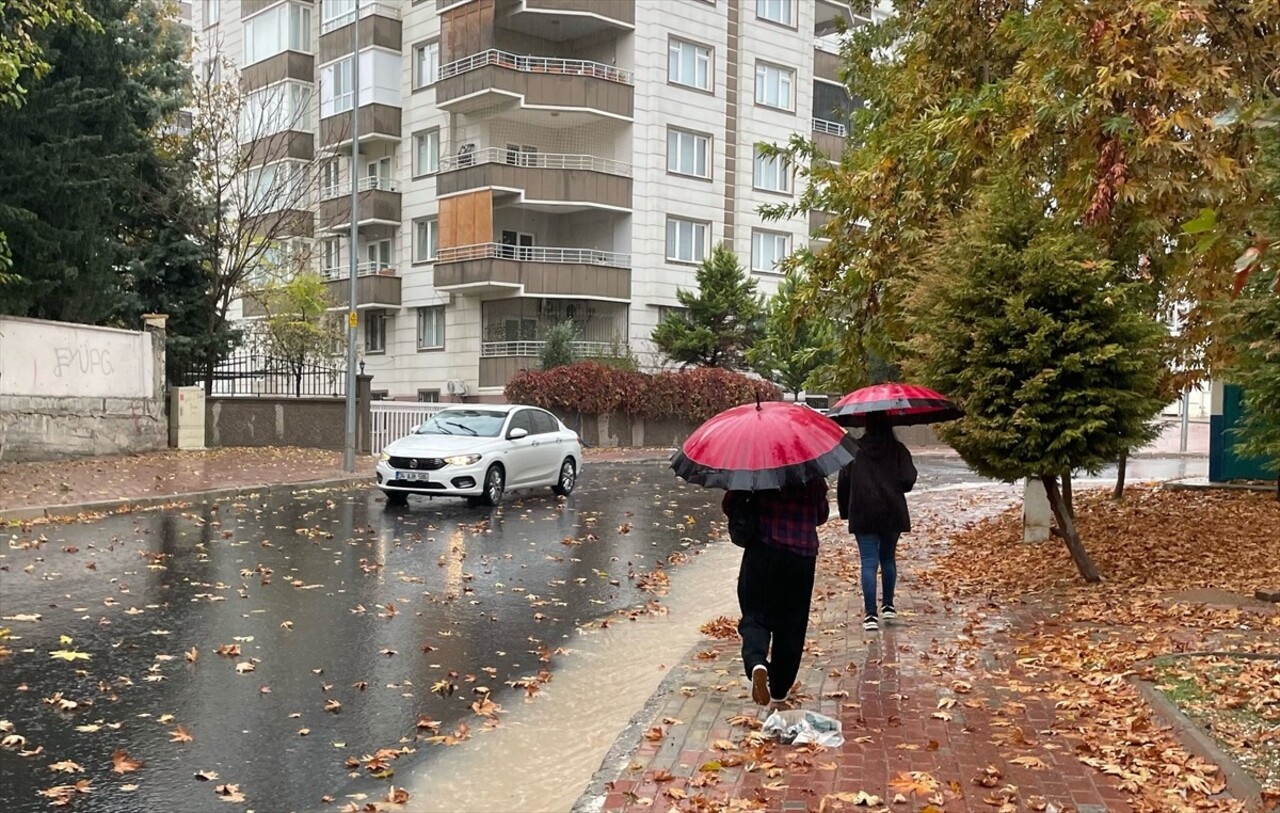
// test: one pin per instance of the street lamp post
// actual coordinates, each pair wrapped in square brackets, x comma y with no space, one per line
[349,456]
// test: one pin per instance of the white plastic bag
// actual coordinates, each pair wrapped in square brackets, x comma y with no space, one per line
[801,727]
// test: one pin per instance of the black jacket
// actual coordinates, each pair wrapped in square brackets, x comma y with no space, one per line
[871,490]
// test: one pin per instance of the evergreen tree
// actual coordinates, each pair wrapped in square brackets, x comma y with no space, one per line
[721,319]
[557,345]
[1045,346]
[793,348]
[79,154]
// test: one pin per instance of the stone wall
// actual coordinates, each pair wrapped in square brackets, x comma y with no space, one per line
[317,423]
[71,390]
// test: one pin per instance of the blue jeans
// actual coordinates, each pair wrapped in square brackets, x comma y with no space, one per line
[878,552]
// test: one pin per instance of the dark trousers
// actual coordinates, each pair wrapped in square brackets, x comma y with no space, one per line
[774,589]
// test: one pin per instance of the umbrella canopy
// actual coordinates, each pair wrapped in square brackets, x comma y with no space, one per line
[906,405]
[756,447]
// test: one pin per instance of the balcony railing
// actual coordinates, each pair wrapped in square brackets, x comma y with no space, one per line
[533,254]
[535,64]
[367,7]
[364,185]
[371,268]
[540,160]
[834,128]
[534,348]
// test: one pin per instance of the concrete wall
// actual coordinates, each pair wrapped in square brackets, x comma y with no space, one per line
[317,423]
[70,390]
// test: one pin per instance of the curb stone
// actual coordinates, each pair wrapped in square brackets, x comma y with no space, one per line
[69,511]
[1240,783]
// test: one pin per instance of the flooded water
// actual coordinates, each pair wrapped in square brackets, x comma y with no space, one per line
[328,598]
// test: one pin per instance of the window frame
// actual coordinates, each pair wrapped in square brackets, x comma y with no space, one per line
[432,223]
[673,44]
[284,41]
[707,152]
[212,12]
[379,318]
[437,324]
[419,51]
[418,172]
[779,167]
[789,5]
[673,257]
[761,76]
[756,235]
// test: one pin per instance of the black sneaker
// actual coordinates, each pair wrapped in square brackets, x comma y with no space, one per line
[760,684]
[888,613]
[870,623]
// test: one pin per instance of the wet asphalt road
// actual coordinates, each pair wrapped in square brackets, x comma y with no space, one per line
[328,597]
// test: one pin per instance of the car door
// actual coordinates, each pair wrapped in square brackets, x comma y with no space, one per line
[549,445]
[521,457]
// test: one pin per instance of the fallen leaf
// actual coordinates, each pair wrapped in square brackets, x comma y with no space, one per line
[123,763]
[180,734]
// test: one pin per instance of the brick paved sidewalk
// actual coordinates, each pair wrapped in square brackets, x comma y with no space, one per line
[917,720]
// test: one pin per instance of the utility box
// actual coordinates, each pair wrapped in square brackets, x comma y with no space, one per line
[186,417]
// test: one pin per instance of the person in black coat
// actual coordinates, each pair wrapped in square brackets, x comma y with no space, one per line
[871,493]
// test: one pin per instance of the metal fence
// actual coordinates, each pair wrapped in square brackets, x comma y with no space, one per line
[259,375]
[395,419]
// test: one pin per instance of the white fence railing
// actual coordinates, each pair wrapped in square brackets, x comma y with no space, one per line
[370,268]
[834,128]
[539,160]
[367,7]
[534,348]
[535,64]
[363,185]
[532,254]
[395,419]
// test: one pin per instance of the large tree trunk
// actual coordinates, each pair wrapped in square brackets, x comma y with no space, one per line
[1068,494]
[1121,467]
[1067,530]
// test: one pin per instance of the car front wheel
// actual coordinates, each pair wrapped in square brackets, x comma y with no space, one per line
[568,478]
[494,483]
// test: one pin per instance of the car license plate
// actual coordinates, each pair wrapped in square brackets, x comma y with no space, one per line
[414,475]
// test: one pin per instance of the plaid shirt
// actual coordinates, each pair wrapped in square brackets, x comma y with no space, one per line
[789,518]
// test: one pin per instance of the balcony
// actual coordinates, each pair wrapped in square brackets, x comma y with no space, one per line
[829,137]
[377,284]
[826,61]
[493,78]
[379,211]
[284,65]
[564,20]
[488,270]
[378,122]
[549,181]
[379,26]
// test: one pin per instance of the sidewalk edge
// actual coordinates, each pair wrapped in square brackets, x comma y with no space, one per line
[70,511]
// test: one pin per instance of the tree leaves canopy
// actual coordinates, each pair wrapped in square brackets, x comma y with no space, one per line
[721,318]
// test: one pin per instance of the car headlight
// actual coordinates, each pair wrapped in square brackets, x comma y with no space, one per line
[462,459]
[386,457]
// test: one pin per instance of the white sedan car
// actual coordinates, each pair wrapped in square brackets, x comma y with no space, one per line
[479,451]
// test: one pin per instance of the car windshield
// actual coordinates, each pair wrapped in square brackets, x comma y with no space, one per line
[469,422]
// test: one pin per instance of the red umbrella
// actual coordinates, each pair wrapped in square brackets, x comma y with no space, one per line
[906,404]
[756,447]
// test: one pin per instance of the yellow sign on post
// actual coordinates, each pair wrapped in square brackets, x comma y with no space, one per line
[352,319]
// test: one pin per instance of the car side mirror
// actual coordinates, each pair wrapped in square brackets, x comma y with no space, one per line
[517,433]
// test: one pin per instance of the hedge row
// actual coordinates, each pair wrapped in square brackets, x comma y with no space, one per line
[591,388]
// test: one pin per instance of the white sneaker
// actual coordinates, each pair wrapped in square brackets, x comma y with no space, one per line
[888,613]
[870,623]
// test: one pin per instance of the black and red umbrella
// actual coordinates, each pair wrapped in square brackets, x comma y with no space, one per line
[906,405]
[756,447]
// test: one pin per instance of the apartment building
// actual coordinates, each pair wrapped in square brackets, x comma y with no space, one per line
[526,162]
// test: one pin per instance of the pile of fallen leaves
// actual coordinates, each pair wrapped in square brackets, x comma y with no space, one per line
[1164,555]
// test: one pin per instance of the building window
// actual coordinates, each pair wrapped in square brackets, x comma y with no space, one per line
[378,255]
[212,12]
[342,80]
[686,240]
[426,153]
[335,12]
[286,27]
[771,173]
[767,249]
[782,12]
[775,86]
[331,257]
[429,396]
[426,64]
[689,64]
[275,187]
[431,327]
[330,178]
[375,332]
[672,310]
[275,109]
[688,153]
[425,234]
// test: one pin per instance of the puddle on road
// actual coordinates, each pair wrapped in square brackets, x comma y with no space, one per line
[545,753]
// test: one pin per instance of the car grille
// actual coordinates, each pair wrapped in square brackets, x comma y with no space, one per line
[418,463]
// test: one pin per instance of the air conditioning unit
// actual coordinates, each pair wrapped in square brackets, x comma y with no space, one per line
[456,386]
